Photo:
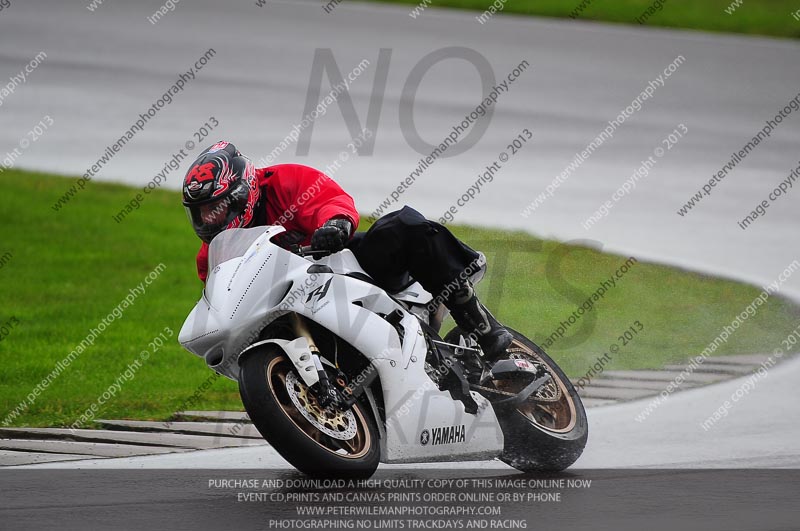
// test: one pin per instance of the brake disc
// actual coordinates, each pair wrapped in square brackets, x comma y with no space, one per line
[333,423]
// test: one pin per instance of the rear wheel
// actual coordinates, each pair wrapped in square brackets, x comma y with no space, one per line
[549,430]
[321,442]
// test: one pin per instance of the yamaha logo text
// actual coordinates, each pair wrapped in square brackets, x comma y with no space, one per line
[443,435]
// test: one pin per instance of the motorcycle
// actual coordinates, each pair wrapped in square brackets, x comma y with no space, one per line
[339,375]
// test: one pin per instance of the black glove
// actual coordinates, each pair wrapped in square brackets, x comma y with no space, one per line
[332,236]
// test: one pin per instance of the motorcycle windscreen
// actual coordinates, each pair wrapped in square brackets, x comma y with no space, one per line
[232,243]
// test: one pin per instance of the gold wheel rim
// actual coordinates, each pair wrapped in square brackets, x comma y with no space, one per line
[554,416]
[354,448]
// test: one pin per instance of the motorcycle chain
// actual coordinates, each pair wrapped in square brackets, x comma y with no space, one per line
[491,390]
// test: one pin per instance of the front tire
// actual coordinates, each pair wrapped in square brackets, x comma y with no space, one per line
[318,442]
[549,430]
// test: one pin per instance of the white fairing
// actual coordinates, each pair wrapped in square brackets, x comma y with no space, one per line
[253,282]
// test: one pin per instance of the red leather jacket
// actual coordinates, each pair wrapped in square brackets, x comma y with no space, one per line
[298,197]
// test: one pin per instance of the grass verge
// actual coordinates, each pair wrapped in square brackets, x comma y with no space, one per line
[62,272]
[775,18]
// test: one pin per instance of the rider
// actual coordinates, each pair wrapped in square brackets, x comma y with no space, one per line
[223,190]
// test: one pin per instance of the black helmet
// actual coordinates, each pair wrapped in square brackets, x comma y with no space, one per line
[220,191]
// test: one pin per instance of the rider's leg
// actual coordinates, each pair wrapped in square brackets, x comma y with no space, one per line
[406,241]
[473,317]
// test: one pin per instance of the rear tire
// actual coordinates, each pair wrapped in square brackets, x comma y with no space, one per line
[541,435]
[266,378]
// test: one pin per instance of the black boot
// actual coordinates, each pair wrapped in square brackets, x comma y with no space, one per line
[473,317]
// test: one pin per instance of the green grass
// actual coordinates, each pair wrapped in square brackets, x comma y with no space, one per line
[69,269]
[764,17]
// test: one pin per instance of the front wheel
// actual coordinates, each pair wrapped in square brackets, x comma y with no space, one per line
[549,430]
[318,442]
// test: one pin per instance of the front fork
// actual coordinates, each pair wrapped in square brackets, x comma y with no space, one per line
[327,393]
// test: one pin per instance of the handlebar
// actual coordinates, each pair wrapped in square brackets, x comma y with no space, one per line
[304,250]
